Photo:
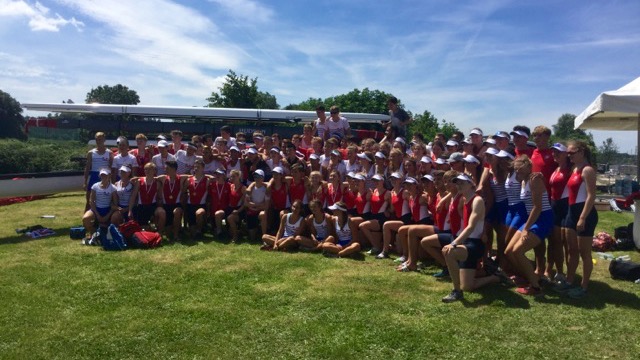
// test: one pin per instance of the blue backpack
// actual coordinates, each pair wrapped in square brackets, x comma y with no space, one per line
[113,239]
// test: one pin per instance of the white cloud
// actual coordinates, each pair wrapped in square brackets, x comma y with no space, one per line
[38,15]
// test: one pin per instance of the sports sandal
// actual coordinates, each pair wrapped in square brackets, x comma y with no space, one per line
[404,268]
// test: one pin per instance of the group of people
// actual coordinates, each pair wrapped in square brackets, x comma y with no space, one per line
[326,191]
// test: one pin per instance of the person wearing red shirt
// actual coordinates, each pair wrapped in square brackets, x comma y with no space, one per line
[146,195]
[219,191]
[142,153]
[520,139]
[194,193]
[542,155]
[170,198]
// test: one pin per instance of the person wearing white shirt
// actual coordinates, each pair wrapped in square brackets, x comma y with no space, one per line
[160,159]
[337,124]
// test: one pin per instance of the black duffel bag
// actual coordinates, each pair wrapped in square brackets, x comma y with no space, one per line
[624,270]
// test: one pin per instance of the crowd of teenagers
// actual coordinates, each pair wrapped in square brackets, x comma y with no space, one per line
[326,191]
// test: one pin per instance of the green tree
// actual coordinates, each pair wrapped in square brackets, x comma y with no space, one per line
[308,105]
[564,130]
[361,101]
[239,91]
[118,94]
[11,120]
[428,125]
[608,152]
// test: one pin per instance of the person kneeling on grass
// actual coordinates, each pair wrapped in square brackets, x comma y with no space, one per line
[464,252]
[341,242]
[291,226]
[318,224]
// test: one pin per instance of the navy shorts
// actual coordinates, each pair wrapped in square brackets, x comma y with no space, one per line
[543,226]
[169,210]
[573,216]
[406,219]
[560,210]
[498,212]
[516,215]
[475,252]
[445,238]
[102,211]
[143,213]
[191,212]
[253,221]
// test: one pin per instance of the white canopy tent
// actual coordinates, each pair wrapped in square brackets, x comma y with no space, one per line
[616,110]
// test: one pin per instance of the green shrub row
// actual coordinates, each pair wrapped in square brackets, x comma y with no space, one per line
[37,155]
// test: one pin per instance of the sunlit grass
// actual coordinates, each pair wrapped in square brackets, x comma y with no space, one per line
[218,300]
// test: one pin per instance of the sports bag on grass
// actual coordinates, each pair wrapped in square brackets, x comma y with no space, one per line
[624,270]
[145,240]
[113,240]
[129,228]
[602,242]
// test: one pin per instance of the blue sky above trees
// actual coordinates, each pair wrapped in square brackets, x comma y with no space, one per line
[489,63]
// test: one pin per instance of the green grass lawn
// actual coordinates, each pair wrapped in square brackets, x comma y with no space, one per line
[218,300]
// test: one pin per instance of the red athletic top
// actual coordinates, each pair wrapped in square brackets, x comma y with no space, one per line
[279,197]
[142,160]
[542,161]
[197,190]
[377,200]
[418,211]
[298,192]
[171,190]
[219,196]
[441,216]
[349,198]
[577,188]
[558,183]
[173,150]
[454,216]
[333,194]
[319,195]
[397,201]
[235,196]
[360,203]
[147,193]
[528,151]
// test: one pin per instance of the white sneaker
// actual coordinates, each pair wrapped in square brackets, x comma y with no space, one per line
[401,259]
[382,255]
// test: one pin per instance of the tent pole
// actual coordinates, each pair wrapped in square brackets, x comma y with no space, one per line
[636,217]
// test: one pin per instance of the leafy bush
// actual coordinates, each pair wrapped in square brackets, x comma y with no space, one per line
[39,155]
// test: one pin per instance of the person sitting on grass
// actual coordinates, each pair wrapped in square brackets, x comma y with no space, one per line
[467,249]
[341,242]
[257,203]
[194,195]
[378,199]
[219,191]
[291,227]
[318,225]
[124,190]
[145,195]
[102,202]
[170,198]
[236,211]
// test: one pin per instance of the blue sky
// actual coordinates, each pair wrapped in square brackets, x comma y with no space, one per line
[491,63]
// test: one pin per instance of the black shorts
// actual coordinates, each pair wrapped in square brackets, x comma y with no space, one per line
[406,219]
[253,220]
[573,215]
[445,238]
[475,252]
[380,218]
[560,209]
[143,213]
[168,208]
[190,214]
[274,219]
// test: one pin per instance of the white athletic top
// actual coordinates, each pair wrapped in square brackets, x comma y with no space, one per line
[99,161]
[211,167]
[322,229]
[289,228]
[103,195]
[513,187]
[344,234]
[337,127]
[259,194]
[185,162]
[124,193]
[128,160]
[159,162]
[525,195]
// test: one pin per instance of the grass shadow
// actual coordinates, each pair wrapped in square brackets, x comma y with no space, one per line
[498,294]
[599,295]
